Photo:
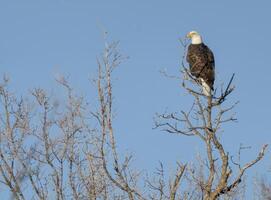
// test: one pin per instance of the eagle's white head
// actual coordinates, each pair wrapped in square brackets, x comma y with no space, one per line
[195,37]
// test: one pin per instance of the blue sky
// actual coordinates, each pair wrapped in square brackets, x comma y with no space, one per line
[41,39]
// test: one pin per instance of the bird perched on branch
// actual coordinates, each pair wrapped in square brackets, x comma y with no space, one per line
[201,62]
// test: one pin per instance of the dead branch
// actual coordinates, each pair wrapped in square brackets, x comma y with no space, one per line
[175,185]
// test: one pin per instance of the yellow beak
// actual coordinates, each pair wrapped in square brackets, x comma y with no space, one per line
[188,35]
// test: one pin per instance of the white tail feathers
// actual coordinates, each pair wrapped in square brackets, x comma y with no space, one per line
[205,88]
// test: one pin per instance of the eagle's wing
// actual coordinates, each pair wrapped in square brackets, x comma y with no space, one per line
[209,75]
[197,61]
[211,58]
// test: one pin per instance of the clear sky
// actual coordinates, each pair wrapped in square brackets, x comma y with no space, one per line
[40,39]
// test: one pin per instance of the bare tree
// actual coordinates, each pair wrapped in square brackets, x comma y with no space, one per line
[67,149]
[51,149]
[47,150]
[204,120]
[120,174]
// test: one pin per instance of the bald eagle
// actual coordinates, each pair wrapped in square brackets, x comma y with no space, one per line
[201,62]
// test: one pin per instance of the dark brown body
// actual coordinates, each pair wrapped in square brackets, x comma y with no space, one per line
[201,62]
